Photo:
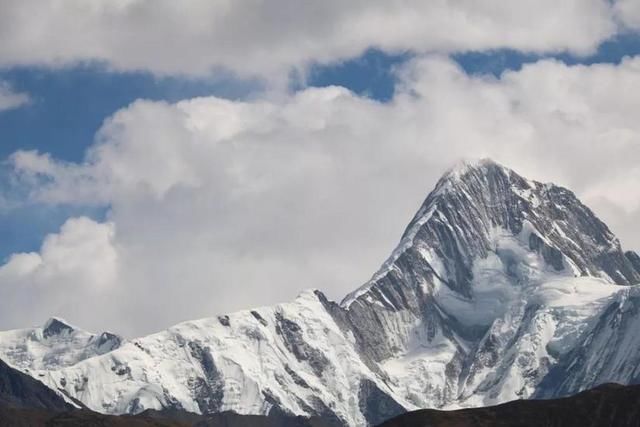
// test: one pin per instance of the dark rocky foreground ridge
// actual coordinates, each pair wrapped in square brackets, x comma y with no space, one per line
[19,390]
[21,417]
[609,405]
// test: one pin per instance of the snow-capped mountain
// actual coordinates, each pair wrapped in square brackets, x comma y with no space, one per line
[501,288]
[495,279]
[55,345]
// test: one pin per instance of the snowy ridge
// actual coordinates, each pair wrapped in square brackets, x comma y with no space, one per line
[293,357]
[54,345]
[501,288]
[57,344]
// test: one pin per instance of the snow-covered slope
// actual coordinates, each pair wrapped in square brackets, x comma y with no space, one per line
[55,345]
[18,390]
[608,352]
[294,357]
[501,288]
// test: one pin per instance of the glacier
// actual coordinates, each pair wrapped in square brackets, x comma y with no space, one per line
[501,288]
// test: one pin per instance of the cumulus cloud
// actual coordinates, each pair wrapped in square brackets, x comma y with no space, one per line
[10,99]
[220,205]
[628,13]
[266,38]
[69,275]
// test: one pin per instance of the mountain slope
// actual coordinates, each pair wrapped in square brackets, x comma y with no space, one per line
[55,345]
[609,351]
[494,280]
[499,284]
[291,358]
[21,417]
[19,390]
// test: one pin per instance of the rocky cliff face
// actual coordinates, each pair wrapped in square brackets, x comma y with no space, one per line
[494,278]
[499,286]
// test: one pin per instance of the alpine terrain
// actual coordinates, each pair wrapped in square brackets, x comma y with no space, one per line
[501,288]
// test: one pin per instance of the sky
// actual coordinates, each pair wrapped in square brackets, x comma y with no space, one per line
[164,163]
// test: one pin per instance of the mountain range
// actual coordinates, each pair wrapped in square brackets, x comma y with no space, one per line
[501,288]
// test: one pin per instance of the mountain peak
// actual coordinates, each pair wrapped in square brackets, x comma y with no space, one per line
[56,326]
[477,200]
[477,172]
[464,166]
[481,182]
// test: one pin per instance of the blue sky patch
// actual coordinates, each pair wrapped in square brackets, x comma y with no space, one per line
[69,105]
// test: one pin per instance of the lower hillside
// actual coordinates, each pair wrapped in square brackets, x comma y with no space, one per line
[605,406]
[18,390]
[22,417]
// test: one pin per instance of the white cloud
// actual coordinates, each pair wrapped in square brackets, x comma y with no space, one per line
[628,12]
[267,38]
[220,205]
[70,275]
[10,99]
